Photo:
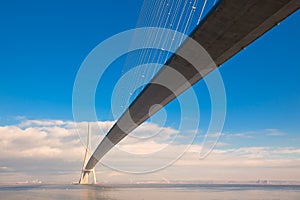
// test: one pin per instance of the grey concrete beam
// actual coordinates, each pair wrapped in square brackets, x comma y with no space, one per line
[230,27]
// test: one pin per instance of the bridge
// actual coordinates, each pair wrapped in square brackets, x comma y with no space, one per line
[230,26]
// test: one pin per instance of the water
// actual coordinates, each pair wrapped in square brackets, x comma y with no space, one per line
[150,191]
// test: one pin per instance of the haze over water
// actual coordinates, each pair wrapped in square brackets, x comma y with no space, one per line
[151,191]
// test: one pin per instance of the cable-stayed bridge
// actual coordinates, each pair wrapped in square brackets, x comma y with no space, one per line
[229,27]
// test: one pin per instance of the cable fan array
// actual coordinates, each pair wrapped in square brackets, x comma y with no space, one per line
[179,15]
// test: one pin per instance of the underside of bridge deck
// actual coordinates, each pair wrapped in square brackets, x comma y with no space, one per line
[227,29]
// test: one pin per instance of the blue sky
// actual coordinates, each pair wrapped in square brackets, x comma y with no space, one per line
[43,44]
[40,57]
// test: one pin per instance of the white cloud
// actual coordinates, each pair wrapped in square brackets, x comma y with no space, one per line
[254,134]
[5,169]
[50,146]
[44,123]
[241,135]
[274,132]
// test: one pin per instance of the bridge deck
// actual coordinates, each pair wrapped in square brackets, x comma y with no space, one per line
[230,27]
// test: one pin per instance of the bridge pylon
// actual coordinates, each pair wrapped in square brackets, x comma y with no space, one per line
[84,178]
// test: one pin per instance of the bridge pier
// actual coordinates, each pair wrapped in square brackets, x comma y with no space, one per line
[84,178]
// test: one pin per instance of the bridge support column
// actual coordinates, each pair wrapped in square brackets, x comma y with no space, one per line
[84,178]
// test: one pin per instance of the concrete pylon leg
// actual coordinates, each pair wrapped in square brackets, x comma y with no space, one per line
[84,178]
[94,176]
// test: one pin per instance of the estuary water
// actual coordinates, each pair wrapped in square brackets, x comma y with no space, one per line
[151,191]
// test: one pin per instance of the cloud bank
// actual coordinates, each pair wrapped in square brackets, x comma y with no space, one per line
[52,150]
